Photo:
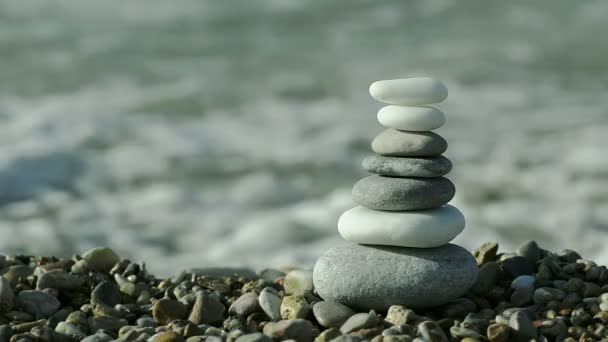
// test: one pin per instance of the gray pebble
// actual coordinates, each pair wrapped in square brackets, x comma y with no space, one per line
[245,305]
[270,302]
[99,337]
[58,279]
[460,332]
[207,309]
[396,143]
[544,295]
[530,251]
[414,277]
[107,293]
[331,314]
[297,329]
[100,259]
[390,193]
[108,324]
[70,330]
[5,332]
[38,303]
[407,167]
[359,321]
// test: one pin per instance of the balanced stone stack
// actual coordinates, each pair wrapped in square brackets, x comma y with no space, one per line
[401,231]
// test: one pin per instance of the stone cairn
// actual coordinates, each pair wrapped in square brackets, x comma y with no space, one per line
[401,231]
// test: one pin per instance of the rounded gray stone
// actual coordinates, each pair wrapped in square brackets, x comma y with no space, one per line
[376,277]
[331,314]
[407,167]
[395,143]
[390,193]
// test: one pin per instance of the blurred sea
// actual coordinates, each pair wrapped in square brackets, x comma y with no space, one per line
[205,133]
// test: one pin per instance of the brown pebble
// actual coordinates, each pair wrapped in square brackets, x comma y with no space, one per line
[498,332]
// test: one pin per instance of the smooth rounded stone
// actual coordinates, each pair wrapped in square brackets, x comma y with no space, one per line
[294,306]
[299,330]
[207,309]
[415,91]
[395,143]
[38,303]
[59,279]
[166,310]
[331,314]
[6,331]
[107,293]
[245,305]
[270,302]
[421,228]
[407,167]
[255,337]
[7,297]
[376,277]
[390,193]
[544,295]
[298,282]
[359,321]
[522,327]
[100,259]
[523,282]
[419,119]
[530,251]
[99,337]
[70,330]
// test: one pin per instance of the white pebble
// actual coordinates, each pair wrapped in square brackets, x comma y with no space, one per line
[411,118]
[416,228]
[409,91]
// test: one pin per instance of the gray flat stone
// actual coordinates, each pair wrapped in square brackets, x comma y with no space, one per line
[358,322]
[395,143]
[389,193]
[376,277]
[331,314]
[407,167]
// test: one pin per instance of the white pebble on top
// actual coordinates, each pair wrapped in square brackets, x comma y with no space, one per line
[409,91]
[411,118]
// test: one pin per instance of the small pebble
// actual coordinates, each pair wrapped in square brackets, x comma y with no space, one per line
[270,302]
[332,314]
[245,305]
[359,321]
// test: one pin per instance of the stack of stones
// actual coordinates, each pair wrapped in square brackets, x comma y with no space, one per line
[402,228]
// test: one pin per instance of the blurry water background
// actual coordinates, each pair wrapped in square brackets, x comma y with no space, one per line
[206,133]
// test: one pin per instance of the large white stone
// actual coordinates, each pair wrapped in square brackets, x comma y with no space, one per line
[411,118]
[420,228]
[409,91]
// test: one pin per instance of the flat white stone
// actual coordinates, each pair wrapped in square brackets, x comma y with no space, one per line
[420,228]
[411,118]
[409,91]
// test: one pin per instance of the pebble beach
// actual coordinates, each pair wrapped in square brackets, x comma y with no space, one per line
[530,294]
